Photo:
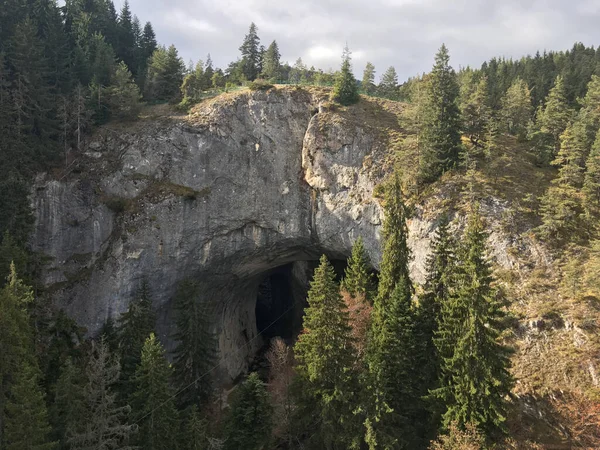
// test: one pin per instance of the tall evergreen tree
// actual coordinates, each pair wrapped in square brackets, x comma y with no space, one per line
[476,113]
[251,416]
[357,278]
[345,89]
[439,285]
[69,403]
[195,353]
[16,339]
[165,74]
[251,57]
[474,379]
[516,108]
[555,116]
[396,254]
[391,357]
[153,404]
[324,354]
[103,425]
[440,136]
[195,431]
[123,95]
[388,86]
[368,79]
[561,206]
[272,62]
[127,45]
[591,183]
[134,326]
[27,425]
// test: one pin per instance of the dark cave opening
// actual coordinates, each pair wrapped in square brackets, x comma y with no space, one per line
[275,305]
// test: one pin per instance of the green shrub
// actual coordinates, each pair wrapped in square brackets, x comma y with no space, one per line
[259,85]
[116,204]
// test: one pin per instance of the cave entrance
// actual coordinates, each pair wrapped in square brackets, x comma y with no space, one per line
[277,304]
[281,298]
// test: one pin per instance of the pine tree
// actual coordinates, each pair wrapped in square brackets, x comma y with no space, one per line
[591,183]
[153,404]
[391,356]
[134,327]
[250,50]
[324,354]
[561,206]
[368,79]
[439,286]
[357,278]
[16,339]
[165,74]
[516,108]
[195,431]
[476,113]
[209,71]
[396,254]
[388,86]
[26,425]
[345,89]
[440,136]
[272,62]
[69,404]
[195,353]
[251,418]
[123,94]
[469,341]
[127,44]
[103,425]
[555,116]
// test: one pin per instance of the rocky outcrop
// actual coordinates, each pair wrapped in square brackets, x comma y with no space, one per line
[244,185]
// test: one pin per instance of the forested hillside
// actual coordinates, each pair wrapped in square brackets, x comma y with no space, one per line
[382,362]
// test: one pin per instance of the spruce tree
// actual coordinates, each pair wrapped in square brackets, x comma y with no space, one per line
[440,135]
[368,79]
[134,327]
[388,86]
[16,338]
[271,63]
[69,403]
[250,50]
[474,380]
[396,254]
[591,182]
[127,45]
[103,424]
[165,74]
[26,425]
[153,404]
[439,285]
[476,114]
[324,354]
[195,431]
[555,116]
[357,278]
[516,108]
[391,357]
[251,416]
[195,354]
[345,89]
[123,95]
[561,206]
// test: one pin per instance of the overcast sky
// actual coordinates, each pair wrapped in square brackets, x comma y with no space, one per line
[402,33]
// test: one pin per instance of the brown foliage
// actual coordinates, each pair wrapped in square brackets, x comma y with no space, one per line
[281,374]
[456,438]
[360,319]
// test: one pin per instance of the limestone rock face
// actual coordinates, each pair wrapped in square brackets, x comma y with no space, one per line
[244,185]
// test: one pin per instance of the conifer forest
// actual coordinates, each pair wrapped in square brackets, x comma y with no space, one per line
[439,290]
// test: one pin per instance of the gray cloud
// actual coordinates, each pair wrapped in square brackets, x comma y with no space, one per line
[402,33]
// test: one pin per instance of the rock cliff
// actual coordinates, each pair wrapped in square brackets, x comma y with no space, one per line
[246,184]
